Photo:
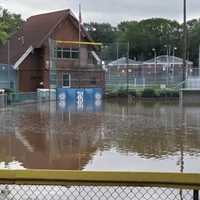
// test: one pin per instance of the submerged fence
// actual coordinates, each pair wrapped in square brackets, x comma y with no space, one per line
[3,100]
[71,185]
[30,97]
[136,77]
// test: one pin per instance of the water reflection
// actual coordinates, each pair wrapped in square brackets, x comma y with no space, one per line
[39,137]
[143,136]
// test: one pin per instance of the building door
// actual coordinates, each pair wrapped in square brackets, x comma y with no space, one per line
[66,80]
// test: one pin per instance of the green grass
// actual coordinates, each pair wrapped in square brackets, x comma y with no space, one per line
[154,92]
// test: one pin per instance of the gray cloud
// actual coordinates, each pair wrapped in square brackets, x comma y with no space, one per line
[113,11]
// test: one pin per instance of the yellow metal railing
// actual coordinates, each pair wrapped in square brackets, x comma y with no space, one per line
[79,42]
[108,184]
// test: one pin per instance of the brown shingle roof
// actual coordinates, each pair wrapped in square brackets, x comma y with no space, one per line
[32,33]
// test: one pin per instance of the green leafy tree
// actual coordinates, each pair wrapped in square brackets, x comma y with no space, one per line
[193,40]
[9,23]
[151,33]
[101,32]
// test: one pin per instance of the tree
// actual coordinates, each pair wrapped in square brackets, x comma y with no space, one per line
[193,40]
[9,23]
[151,33]
[101,32]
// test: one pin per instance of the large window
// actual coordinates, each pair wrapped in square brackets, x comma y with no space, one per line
[67,53]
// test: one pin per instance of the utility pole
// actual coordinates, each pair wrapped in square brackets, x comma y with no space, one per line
[184,41]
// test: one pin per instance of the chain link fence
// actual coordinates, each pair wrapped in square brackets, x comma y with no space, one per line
[136,80]
[144,77]
[7,77]
[83,185]
[3,100]
[28,97]
[123,70]
[72,192]
[193,81]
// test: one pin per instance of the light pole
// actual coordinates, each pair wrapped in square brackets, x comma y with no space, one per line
[174,49]
[199,60]
[168,60]
[184,41]
[127,66]
[8,66]
[155,60]
[168,53]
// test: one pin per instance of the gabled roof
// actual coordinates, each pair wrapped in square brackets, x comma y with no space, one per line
[123,61]
[164,59]
[33,33]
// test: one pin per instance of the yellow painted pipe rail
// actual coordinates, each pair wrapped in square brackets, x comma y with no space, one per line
[49,177]
[79,42]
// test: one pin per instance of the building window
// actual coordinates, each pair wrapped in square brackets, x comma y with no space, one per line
[67,53]
[59,53]
[66,80]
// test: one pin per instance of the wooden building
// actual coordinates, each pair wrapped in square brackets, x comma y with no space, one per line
[41,62]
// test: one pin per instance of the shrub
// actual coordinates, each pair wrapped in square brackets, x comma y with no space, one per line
[133,93]
[111,94]
[168,93]
[149,93]
[122,92]
[162,93]
[174,93]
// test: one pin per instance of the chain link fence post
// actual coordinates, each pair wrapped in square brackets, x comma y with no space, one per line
[196,195]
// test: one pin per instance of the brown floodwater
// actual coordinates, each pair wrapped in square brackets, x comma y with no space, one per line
[137,136]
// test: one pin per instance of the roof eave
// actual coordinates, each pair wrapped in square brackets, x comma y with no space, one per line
[22,58]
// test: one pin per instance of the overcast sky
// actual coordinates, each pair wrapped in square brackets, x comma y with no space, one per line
[113,11]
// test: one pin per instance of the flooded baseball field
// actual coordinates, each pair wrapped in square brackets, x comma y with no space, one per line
[137,136]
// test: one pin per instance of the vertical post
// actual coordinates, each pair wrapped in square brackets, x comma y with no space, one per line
[199,61]
[117,50]
[184,41]
[79,38]
[169,63]
[155,56]
[173,61]
[49,67]
[196,195]
[127,66]
[80,21]
[155,63]
[174,49]
[8,67]
[135,82]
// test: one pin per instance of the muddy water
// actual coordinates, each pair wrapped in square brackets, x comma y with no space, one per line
[141,136]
